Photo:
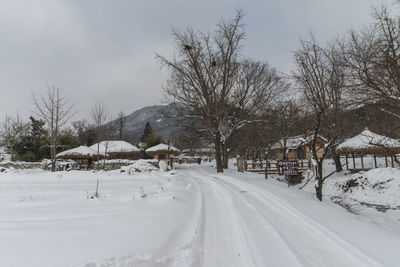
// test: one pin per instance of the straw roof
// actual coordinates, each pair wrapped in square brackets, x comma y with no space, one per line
[162,148]
[82,152]
[115,147]
[368,142]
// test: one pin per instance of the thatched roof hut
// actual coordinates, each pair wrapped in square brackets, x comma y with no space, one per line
[82,152]
[162,149]
[163,152]
[117,149]
[368,142]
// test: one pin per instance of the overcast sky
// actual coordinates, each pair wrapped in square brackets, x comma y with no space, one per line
[106,49]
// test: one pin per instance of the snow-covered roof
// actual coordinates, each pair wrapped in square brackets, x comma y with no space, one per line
[115,147]
[293,142]
[162,148]
[368,140]
[82,151]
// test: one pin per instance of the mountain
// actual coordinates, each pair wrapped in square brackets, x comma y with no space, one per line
[164,119]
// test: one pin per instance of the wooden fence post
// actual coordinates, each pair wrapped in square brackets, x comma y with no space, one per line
[362,162]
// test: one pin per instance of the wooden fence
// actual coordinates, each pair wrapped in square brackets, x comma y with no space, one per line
[271,166]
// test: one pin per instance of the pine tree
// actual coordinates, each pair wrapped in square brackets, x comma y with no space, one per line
[148,131]
[34,146]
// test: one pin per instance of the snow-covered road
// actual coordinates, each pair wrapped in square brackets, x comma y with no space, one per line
[246,225]
[193,217]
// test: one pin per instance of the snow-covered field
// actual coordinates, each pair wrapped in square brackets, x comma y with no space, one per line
[188,217]
[373,195]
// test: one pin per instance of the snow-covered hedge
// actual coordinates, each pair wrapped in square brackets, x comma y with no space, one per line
[116,164]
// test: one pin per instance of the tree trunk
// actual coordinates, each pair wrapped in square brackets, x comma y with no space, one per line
[53,154]
[336,159]
[218,159]
[319,178]
[225,155]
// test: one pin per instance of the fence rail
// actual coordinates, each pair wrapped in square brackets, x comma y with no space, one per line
[271,166]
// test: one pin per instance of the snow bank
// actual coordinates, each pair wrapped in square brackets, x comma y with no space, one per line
[375,187]
[139,166]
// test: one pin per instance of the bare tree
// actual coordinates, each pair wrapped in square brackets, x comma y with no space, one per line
[55,110]
[99,116]
[288,118]
[210,78]
[373,57]
[255,87]
[120,123]
[319,73]
[11,131]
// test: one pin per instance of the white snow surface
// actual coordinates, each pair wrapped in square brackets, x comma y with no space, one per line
[140,165]
[162,147]
[189,217]
[115,147]
[81,150]
[368,139]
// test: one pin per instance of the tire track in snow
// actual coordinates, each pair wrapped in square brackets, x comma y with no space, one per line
[224,242]
[263,246]
[313,244]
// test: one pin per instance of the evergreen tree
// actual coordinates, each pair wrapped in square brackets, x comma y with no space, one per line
[146,132]
[153,140]
[34,146]
[66,140]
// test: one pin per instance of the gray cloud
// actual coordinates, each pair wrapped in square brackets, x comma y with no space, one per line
[105,49]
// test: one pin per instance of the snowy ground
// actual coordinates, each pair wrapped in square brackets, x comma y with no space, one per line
[190,217]
[373,195]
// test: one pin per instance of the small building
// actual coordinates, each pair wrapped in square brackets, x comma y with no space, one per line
[368,143]
[193,155]
[117,149]
[163,152]
[298,147]
[83,155]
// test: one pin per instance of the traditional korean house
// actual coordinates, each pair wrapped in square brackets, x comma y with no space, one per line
[163,152]
[368,143]
[298,147]
[117,149]
[83,155]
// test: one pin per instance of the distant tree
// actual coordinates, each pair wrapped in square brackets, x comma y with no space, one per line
[11,131]
[153,140]
[288,119]
[55,110]
[66,140]
[120,124]
[85,132]
[190,139]
[99,117]
[34,145]
[146,132]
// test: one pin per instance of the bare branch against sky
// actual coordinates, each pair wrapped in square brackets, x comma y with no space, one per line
[105,49]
